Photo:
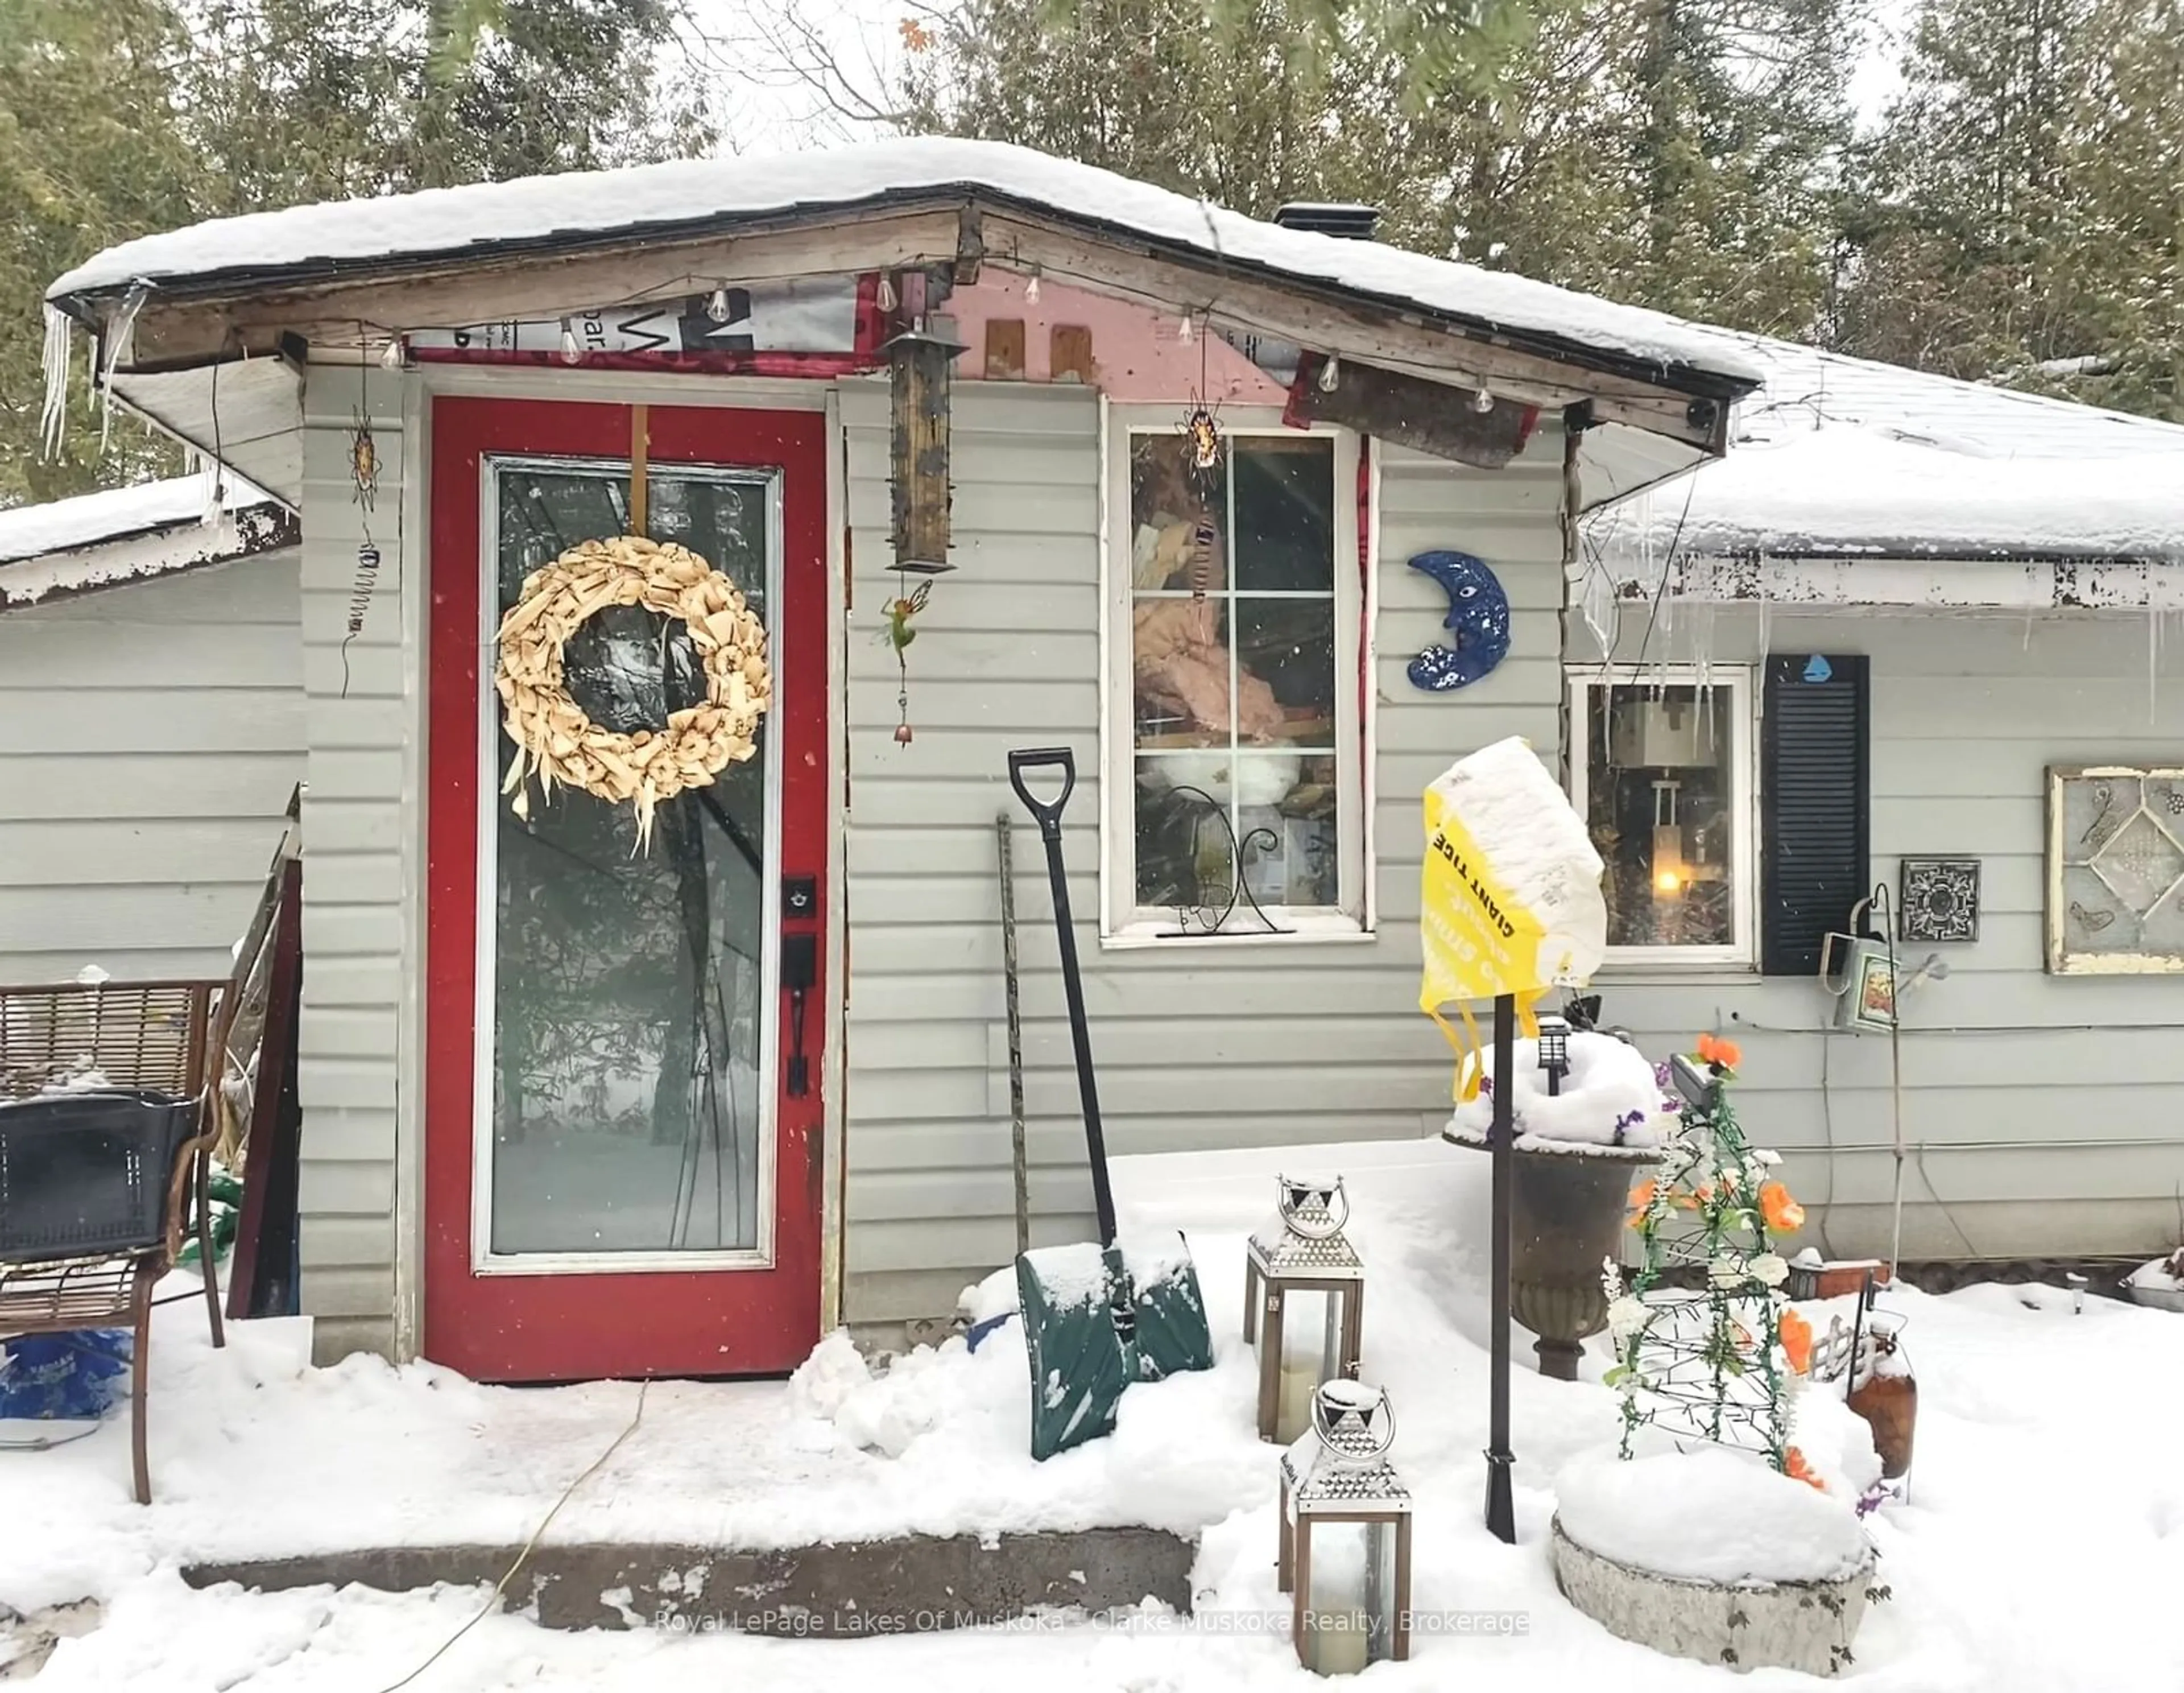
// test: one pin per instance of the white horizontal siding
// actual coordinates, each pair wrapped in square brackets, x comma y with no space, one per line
[150,736]
[1196,1048]
[2049,1111]
[356,828]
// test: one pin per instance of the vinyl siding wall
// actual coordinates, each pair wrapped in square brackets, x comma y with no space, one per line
[362,819]
[150,736]
[1196,1047]
[2048,1111]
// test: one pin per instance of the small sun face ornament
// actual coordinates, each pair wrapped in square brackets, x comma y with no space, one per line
[1202,430]
[364,462]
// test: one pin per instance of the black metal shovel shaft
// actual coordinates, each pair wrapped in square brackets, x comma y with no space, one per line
[1048,815]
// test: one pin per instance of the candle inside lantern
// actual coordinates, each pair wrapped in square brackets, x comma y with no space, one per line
[1304,1363]
[1341,1642]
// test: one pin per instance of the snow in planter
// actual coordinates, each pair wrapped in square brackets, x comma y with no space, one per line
[1709,1514]
[1610,1096]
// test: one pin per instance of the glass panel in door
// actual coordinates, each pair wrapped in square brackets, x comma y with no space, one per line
[631,1033]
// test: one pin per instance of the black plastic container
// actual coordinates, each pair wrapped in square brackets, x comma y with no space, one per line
[86,1174]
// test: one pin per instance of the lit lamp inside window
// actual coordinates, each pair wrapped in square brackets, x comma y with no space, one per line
[1304,1303]
[1345,1554]
[1668,872]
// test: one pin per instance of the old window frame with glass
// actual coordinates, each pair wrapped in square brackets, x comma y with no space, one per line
[1134,430]
[1733,714]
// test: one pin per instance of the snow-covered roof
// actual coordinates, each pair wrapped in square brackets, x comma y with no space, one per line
[131,534]
[1845,458]
[688,197]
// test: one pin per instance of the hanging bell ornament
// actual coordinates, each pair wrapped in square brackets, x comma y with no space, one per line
[902,735]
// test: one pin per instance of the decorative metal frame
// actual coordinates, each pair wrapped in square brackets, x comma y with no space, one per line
[1214,907]
[2116,866]
[1955,882]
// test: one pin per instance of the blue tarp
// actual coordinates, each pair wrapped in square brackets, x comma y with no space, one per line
[72,1376]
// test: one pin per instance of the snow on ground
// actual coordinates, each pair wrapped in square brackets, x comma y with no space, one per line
[2040,1550]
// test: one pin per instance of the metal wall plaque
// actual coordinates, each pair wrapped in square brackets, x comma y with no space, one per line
[2115,870]
[1938,899]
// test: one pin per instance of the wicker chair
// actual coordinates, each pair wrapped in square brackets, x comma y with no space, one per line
[139,1036]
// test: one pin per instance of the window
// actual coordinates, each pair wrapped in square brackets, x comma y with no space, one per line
[1661,771]
[1233,614]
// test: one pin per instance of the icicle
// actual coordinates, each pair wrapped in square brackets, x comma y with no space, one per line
[118,334]
[1330,375]
[213,492]
[1483,401]
[1596,605]
[1031,288]
[2153,658]
[53,420]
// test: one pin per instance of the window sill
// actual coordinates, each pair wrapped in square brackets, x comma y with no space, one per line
[1613,968]
[1145,937]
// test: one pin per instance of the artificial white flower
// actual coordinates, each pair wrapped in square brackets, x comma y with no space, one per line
[1771,1269]
[1625,1316]
[1728,1270]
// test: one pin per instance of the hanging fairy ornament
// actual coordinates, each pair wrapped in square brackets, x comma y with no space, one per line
[899,632]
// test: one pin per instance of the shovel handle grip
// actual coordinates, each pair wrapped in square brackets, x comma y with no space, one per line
[1048,813]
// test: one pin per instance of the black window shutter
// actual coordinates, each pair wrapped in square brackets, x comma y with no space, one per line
[1816,807]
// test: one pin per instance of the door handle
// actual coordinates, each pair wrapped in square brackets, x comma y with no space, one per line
[800,975]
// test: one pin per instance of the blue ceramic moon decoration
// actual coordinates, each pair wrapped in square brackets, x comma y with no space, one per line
[1479,616]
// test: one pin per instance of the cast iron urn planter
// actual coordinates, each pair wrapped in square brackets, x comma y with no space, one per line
[1568,1214]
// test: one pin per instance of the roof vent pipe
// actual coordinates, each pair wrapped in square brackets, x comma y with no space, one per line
[1349,222]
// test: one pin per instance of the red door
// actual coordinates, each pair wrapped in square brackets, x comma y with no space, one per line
[622,1113]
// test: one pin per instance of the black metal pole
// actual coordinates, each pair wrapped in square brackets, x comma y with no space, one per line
[1501,1503]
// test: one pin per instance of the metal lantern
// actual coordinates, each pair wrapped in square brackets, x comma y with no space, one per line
[1345,1534]
[1554,1051]
[1304,1303]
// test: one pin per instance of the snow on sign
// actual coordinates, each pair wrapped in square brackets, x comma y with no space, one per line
[1510,901]
[826,316]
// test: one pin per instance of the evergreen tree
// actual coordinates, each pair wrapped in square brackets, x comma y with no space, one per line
[118,121]
[2021,218]
[1681,154]
[91,153]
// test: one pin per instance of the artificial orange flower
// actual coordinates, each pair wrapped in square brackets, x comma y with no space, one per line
[1795,1466]
[1784,1215]
[1715,1050]
[915,37]
[1641,1196]
[1797,1340]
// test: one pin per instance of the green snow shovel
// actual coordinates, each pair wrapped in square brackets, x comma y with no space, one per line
[1096,1317]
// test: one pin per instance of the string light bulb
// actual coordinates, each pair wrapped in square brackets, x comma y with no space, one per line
[390,357]
[1331,374]
[886,298]
[717,307]
[1031,290]
[572,350]
[1483,401]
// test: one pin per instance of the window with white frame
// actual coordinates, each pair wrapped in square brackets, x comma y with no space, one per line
[1661,772]
[1235,611]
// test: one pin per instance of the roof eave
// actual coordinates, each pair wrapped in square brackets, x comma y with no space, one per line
[94,307]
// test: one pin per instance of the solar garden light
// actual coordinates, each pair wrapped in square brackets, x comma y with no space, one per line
[1554,1050]
[1304,1303]
[1345,1553]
